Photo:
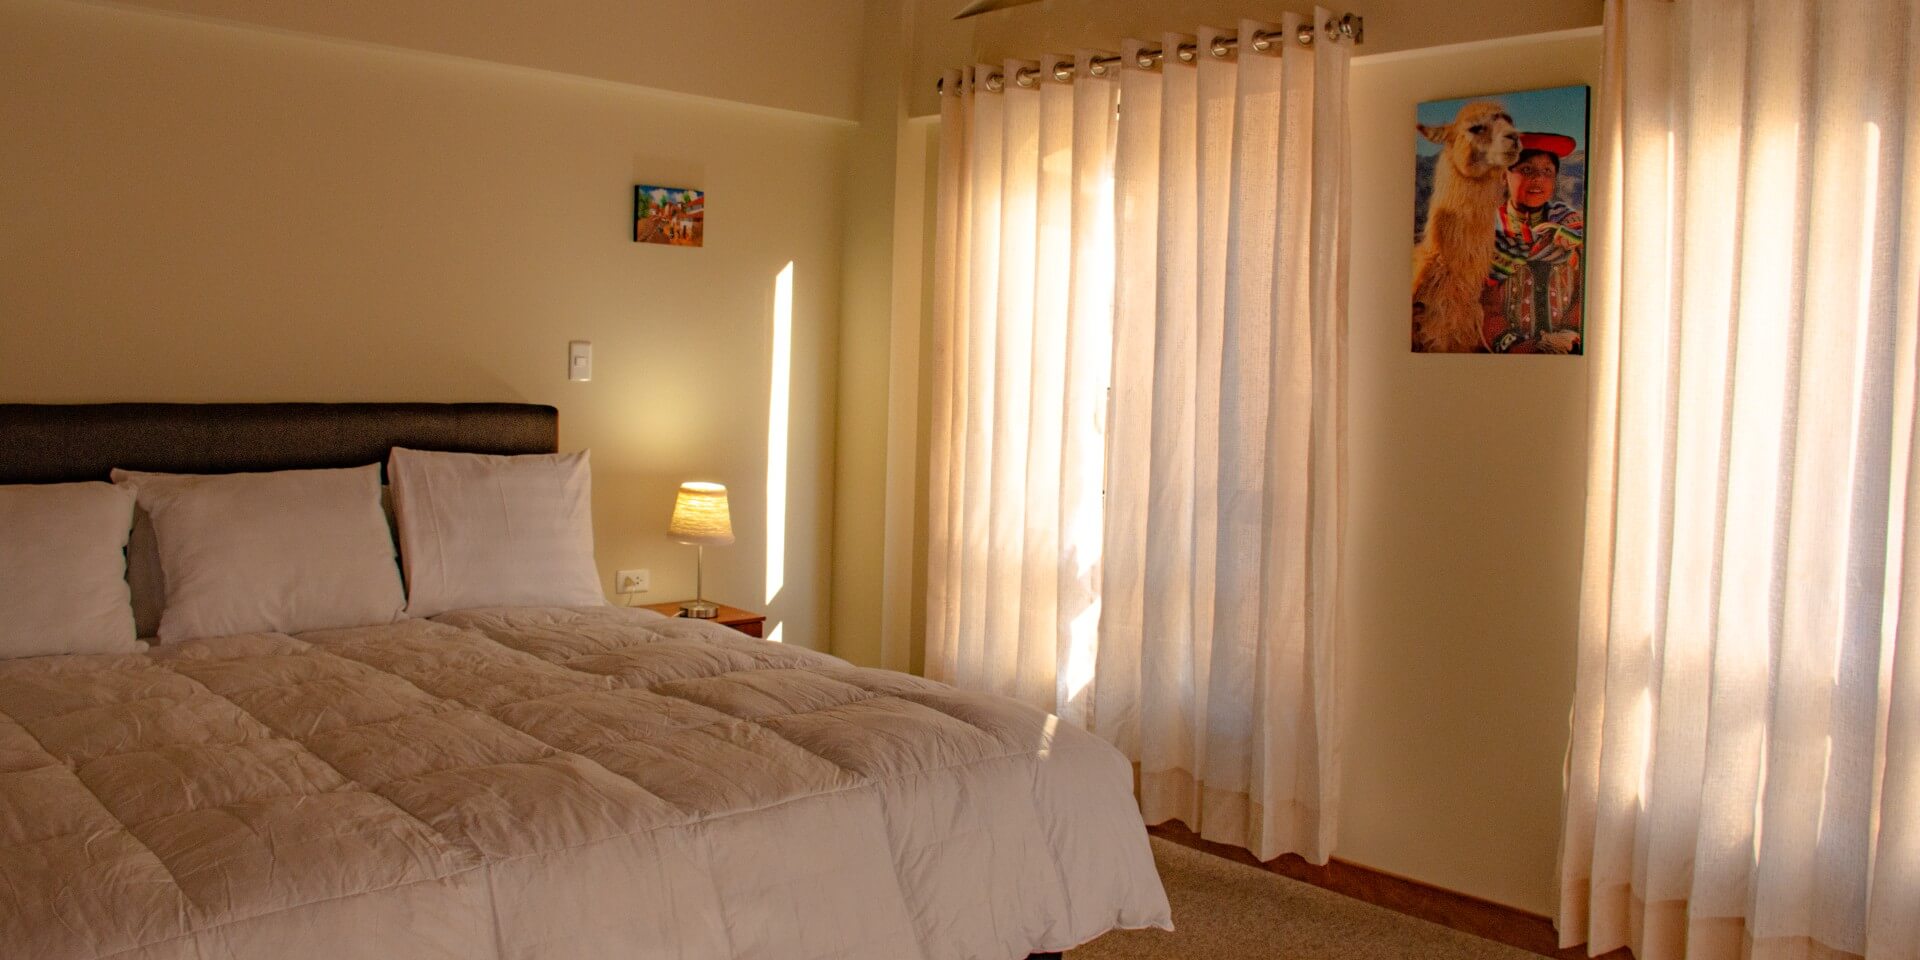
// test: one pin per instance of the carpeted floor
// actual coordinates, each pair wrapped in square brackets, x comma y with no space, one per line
[1230,911]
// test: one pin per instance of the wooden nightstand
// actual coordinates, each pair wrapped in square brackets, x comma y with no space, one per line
[746,621]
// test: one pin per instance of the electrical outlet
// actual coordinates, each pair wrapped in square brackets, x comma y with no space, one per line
[632,581]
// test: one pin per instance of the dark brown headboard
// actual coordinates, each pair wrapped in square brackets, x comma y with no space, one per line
[55,443]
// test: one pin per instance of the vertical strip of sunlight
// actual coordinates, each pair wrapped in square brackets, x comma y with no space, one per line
[1826,790]
[1760,799]
[1896,506]
[1083,649]
[779,393]
[1869,213]
[1769,204]
[1654,358]
[1642,734]
[1082,526]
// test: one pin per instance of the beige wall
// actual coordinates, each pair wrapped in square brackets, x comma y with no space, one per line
[192,211]
[1463,534]
[878,576]
[792,54]
[866,365]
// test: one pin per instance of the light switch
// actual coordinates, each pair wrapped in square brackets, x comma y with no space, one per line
[580,360]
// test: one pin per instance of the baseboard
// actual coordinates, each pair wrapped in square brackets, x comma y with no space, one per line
[1468,914]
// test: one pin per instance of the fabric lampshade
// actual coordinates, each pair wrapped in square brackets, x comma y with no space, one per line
[700,515]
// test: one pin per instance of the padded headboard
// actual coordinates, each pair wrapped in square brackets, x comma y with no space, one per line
[57,443]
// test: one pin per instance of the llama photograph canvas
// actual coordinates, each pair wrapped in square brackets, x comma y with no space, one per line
[1499,223]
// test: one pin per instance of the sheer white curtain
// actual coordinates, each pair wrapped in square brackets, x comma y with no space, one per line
[1187,250]
[1744,778]
[1023,294]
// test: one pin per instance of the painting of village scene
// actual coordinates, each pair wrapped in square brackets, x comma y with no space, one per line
[670,215]
[1499,223]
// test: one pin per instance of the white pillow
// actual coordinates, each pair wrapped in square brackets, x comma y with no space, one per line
[149,584]
[283,552]
[487,531]
[63,569]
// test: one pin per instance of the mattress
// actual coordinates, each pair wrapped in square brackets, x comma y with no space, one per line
[546,783]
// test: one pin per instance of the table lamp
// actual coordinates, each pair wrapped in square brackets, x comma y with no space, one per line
[700,518]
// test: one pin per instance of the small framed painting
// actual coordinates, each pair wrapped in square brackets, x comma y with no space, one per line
[1499,223]
[672,215]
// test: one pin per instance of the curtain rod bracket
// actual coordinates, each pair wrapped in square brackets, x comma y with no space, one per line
[1349,26]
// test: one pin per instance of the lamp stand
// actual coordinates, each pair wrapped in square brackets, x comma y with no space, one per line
[698,607]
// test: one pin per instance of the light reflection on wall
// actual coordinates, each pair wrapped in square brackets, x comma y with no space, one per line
[779,393]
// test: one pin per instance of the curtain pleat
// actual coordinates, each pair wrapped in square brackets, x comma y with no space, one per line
[974,520]
[1249,356]
[1893,923]
[1040,637]
[948,418]
[1006,494]
[1139,415]
[1327,284]
[1089,362]
[1136,241]
[1174,663]
[1742,781]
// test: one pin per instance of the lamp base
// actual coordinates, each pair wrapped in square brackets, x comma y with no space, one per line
[699,610]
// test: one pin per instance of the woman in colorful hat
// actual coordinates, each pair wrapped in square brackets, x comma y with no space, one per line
[1534,289]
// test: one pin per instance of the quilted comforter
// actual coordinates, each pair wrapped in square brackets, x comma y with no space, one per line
[544,783]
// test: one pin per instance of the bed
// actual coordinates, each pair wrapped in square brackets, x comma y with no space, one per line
[521,782]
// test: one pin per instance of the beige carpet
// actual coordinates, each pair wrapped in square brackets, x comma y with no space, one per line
[1230,911]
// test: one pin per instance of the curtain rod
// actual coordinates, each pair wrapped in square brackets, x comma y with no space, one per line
[1348,26]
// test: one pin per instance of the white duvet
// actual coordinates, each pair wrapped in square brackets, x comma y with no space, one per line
[545,783]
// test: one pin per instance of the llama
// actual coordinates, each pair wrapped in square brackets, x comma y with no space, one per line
[1450,265]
